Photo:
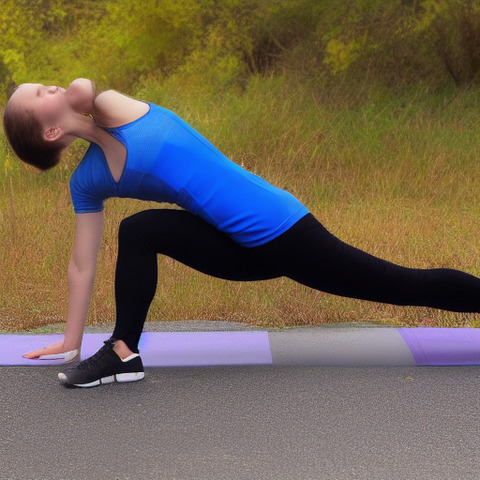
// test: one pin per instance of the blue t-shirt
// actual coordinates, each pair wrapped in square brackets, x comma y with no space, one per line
[168,161]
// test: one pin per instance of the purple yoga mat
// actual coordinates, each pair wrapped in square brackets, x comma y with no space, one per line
[428,346]
[158,349]
[443,346]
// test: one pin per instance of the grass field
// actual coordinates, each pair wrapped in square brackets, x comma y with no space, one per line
[395,175]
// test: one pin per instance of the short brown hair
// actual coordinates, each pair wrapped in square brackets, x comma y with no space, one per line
[24,133]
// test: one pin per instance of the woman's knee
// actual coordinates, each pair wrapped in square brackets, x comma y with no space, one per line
[155,229]
[135,227]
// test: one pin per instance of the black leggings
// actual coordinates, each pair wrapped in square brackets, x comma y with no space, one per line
[306,253]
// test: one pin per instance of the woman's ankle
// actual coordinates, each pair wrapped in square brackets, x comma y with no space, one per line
[121,349]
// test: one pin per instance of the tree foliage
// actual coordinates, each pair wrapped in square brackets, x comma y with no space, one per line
[220,43]
[404,41]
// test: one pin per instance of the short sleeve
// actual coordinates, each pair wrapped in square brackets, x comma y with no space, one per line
[84,200]
[86,188]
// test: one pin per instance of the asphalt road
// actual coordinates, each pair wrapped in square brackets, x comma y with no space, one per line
[267,422]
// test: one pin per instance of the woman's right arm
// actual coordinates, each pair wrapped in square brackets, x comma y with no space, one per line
[81,276]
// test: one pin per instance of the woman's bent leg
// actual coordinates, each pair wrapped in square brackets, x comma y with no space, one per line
[179,235]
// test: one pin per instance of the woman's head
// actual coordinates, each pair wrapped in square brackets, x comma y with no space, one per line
[30,122]
[25,135]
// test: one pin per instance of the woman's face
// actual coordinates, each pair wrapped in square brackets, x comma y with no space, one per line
[46,103]
[49,104]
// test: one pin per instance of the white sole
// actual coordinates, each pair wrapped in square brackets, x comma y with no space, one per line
[119,377]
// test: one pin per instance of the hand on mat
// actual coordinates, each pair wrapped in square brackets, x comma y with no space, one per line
[54,352]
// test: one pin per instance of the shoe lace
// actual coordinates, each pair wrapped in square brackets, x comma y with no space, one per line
[90,364]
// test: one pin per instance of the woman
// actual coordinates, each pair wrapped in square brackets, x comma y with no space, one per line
[234,224]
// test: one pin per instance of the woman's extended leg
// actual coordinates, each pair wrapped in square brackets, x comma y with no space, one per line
[309,254]
[179,235]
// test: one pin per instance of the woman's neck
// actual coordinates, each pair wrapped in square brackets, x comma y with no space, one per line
[86,127]
[114,150]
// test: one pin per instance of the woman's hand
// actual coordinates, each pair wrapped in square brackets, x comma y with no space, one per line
[55,351]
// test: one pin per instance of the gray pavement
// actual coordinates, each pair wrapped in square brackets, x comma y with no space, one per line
[245,422]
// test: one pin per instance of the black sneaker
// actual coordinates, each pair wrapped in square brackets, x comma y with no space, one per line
[103,367]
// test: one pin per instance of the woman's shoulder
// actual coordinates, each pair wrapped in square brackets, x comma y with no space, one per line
[113,109]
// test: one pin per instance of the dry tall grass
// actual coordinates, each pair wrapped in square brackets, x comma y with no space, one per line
[395,176]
